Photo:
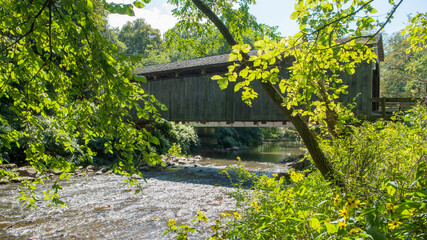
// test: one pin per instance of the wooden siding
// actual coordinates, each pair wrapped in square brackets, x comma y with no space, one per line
[197,98]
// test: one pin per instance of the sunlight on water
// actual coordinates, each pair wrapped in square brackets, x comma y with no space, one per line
[102,207]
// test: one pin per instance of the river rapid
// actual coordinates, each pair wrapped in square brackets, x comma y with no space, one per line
[104,207]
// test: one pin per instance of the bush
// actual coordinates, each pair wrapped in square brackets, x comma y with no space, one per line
[176,133]
[52,139]
[385,166]
[238,137]
[308,208]
[376,152]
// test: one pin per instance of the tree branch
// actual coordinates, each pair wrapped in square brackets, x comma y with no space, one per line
[31,28]
[218,23]
[310,141]
[341,18]
[385,23]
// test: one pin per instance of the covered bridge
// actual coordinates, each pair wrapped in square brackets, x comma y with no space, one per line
[189,93]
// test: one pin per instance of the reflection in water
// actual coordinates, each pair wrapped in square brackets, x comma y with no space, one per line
[102,207]
[267,152]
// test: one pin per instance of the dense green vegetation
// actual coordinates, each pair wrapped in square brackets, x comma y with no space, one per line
[403,74]
[67,89]
[64,87]
[172,133]
[385,167]
[373,183]
[238,137]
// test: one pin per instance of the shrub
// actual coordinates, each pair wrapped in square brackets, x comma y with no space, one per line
[376,152]
[308,208]
[385,166]
[53,139]
[176,133]
[238,137]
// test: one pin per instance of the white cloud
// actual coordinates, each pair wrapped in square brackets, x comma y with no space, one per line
[161,19]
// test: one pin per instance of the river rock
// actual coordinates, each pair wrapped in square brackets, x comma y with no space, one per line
[55,171]
[137,177]
[4,225]
[27,171]
[297,162]
[102,207]
[4,181]
[8,166]
[290,159]
[301,165]
[144,168]
[20,179]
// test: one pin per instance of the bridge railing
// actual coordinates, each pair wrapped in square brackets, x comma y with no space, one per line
[389,105]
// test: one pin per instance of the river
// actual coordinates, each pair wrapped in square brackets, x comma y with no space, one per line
[103,207]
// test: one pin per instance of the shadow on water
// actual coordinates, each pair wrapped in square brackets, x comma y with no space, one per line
[259,160]
[196,175]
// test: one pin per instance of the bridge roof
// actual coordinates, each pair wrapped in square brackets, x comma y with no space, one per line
[212,61]
[222,60]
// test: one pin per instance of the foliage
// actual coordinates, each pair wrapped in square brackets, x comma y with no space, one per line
[417,32]
[375,152]
[308,208]
[56,65]
[278,133]
[238,137]
[139,37]
[51,140]
[238,175]
[112,35]
[175,150]
[197,37]
[329,44]
[273,133]
[386,195]
[182,135]
[403,74]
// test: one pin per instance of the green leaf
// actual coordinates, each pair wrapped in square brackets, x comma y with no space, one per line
[259,44]
[63,175]
[89,5]
[232,56]
[294,15]
[244,73]
[420,193]
[376,234]
[315,224]
[138,4]
[216,78]
[154,140]
[298,35]
[331,228]
[223,83]
[140,78]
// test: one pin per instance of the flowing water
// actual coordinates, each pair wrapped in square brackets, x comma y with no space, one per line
[103,207]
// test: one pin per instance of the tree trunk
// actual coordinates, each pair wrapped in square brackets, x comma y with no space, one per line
[310,141]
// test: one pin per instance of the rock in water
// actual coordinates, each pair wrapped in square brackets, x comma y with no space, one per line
[27,171]
[4,225]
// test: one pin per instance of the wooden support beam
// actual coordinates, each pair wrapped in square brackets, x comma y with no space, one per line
[396,99]
[383,101]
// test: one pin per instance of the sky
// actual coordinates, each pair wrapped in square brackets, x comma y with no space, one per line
[271,12]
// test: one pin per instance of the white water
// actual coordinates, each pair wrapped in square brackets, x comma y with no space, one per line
[103,207]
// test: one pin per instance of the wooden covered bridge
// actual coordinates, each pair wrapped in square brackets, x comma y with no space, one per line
[189,93]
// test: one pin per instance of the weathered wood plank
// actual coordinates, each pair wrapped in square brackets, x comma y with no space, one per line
[198,98]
